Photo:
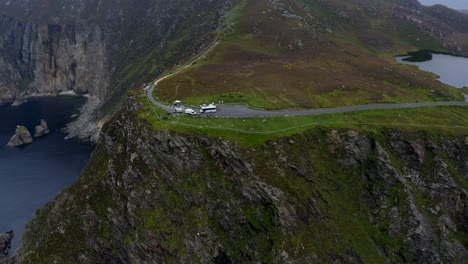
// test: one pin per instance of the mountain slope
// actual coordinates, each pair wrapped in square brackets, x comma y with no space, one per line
[100,47]
[280,54]
[154,195]
[321,196]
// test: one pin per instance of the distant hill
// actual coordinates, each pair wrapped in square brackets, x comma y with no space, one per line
[464,11]
[291,53]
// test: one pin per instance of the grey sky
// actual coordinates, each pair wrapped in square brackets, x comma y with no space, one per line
[455,4]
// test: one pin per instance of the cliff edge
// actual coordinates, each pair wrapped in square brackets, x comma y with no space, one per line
[326,195]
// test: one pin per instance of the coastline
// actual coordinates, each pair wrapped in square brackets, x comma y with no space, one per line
[85,127]
[414,54]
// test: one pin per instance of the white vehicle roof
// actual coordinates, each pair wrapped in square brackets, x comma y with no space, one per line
[208,106]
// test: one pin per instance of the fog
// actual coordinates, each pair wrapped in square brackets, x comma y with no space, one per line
[455,4]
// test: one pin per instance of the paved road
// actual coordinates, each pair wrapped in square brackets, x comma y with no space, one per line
[149,94]
[245,111]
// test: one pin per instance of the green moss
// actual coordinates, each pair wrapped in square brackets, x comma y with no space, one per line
[24,84]
[462,237]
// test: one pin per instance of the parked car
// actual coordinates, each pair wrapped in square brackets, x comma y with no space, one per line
[190,111]
[178,110]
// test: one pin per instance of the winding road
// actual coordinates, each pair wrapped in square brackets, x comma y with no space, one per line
[245,111]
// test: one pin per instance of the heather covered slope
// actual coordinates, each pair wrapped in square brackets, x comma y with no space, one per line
[280,54]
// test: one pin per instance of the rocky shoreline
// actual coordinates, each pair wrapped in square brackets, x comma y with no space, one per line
[85,127]
[5,245]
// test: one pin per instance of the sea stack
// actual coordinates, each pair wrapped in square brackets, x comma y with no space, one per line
[42,129]
[5,244]
[21,137]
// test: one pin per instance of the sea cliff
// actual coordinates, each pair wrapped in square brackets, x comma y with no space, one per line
[323,195]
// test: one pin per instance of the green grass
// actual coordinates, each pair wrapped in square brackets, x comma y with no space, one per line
[255,130]
[251,98]
[260,68]
[24,84]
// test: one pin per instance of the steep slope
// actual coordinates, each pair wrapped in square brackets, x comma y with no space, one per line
[322,196]
[101,47]
[325,195]
[293,53]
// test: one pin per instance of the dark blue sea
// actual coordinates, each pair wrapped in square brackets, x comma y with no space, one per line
[32,175]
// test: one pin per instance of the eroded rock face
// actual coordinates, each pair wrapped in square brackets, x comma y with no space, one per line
[5,244]
[42,129]
[160,196]
[7,95]
[21,137]
[59,46]
[52,58]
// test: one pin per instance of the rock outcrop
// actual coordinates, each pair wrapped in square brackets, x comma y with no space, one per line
[42,129]
[324,196]
[5,244]
[21,137]
[67,46]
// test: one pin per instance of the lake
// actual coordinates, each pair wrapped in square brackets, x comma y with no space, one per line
[452,70]
[32,175]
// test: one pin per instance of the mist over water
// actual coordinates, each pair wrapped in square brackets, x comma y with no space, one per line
[32,175]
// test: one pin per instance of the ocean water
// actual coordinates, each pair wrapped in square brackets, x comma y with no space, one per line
[32,175]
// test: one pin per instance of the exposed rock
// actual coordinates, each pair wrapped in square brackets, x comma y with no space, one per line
[157,196]
[59,47]
[85,127]
[19,101]
[21,137]
[42,129]
[5,244]
[350,147]
[6,95]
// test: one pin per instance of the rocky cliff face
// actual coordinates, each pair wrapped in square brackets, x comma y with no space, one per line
[5,244]
[99,47]
[49,59]
[323,196]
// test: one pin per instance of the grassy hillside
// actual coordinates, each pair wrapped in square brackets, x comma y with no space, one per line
[249,131]
[318,54]
[322,195]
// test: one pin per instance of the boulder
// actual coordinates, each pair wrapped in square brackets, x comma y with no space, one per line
[42,129]
[21,137]
[5,244]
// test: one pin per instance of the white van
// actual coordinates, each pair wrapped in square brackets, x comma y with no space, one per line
[190,111]
[178,110]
